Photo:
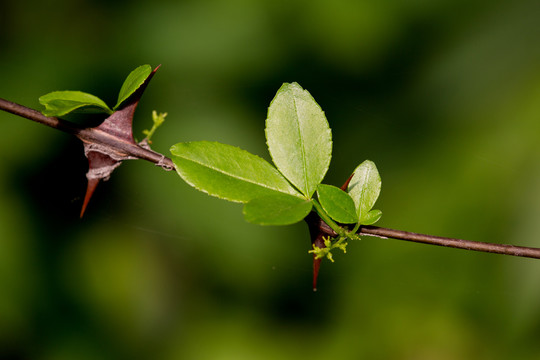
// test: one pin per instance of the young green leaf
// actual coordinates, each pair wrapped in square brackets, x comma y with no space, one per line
[133,81]
[228,172]
[299,138]
[365,187]
[277,209]
[59,103]
[371,217]
[337,204]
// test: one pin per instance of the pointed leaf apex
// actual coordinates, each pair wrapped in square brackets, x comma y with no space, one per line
[120,123]
[133,82]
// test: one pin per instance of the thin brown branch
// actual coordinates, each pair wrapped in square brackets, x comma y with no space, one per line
[385,233]
[450,242]
[91,135]
[36,116]
[125,148]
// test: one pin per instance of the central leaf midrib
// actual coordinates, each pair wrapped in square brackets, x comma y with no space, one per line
[235,176]
[303,150]
[363,192]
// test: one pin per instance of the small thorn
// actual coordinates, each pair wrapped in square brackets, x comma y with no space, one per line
[344,187]
[316,266]
[91,187]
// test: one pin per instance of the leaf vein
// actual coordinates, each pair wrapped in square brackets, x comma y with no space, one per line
[234,176]
[302,148]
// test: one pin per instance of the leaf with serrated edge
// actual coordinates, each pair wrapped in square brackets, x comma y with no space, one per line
[228,172]
[133,81]
[337,203]
[365,187]
[298,137]
[278,209]
[59,103]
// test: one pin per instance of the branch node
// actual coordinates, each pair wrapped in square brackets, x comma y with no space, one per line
[105,150]
[163,164]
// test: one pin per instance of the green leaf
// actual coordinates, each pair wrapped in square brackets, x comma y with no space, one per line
[299,138]
[278,209]
[337,203]
[133,81]
[371,217]
[59,103]
[365,187]
[228,172]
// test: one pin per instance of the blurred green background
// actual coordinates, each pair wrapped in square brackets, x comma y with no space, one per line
[444,96]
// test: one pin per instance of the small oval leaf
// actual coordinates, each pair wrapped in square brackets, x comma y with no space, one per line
[337,203]
[371,217]
[278,209]
[299,138]
[59,103]
[228,172]
[133,81]
[365,187]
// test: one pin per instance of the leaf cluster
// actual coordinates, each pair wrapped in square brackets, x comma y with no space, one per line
[102,152]
[60,103]
[299,140]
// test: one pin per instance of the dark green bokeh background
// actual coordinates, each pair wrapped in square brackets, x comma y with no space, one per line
[443,95]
